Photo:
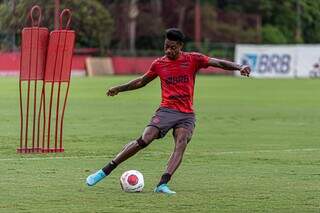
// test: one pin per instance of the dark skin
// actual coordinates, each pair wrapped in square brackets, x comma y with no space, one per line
[182,136]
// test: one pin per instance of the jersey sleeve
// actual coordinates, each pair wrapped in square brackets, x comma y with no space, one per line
[200,60]
[152,72]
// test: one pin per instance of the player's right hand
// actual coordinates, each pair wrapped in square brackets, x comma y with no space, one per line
[245,70]
[112,91]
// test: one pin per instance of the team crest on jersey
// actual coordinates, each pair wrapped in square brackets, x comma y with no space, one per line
[184,65]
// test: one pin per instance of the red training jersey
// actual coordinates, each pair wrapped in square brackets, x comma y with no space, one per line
[178,78]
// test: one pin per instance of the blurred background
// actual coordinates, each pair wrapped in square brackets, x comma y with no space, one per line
[132,31]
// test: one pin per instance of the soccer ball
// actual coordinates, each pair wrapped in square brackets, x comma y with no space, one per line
[132,181]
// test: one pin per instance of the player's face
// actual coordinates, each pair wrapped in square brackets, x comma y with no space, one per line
[172,49]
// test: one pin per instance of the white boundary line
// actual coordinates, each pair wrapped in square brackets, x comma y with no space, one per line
[108,156]
[268,151]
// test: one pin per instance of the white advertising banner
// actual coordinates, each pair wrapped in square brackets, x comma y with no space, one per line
[308,64]
[280,61]
[268,61]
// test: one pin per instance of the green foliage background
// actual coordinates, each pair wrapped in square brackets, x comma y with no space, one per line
[279,18]
[95,24]
[90,19]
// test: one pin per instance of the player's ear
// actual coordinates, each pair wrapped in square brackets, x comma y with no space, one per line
[180,43]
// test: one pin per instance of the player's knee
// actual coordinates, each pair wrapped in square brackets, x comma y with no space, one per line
[142,143]
[182,137]
[150,133]
[181,143]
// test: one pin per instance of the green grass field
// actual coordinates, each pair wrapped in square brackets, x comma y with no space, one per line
[256,148]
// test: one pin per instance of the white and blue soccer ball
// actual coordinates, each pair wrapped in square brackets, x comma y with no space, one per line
[132,181]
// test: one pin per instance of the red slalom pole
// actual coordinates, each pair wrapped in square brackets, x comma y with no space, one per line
[28,99]
[52,93]
[64,32]
[39,116]
[29,76]
[62,115]
[35,94]
[58,97]
[21,118]
[34,24]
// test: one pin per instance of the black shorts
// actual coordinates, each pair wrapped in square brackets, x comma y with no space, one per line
[165,119]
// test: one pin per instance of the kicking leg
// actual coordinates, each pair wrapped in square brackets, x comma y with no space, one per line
[181,137]
[150,133]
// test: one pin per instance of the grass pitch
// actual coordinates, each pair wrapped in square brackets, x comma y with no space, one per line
[255,149]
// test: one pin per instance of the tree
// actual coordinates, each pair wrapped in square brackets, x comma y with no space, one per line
[91,20]
[283,17]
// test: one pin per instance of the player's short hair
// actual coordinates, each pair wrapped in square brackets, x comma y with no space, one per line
[175,34]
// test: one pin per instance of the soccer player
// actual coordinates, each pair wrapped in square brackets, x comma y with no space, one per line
[177,71]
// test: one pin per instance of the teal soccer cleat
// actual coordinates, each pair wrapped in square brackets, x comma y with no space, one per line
[164,188]
[94,178]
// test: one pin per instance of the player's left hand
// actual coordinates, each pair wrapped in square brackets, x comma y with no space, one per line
[112,91]
[245,70]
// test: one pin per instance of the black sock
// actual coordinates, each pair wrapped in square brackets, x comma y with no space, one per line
[164,179]
[109,167]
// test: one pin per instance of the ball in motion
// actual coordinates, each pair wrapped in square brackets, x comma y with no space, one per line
[132,181]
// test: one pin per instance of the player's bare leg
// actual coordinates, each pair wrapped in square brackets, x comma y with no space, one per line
[150,133]
[181,138]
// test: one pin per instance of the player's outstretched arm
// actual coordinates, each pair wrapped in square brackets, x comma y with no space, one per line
[131,85]
[228,65]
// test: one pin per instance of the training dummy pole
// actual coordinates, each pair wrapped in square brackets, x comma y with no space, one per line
[45,69]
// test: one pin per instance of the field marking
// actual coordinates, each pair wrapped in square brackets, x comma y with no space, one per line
[267,151]
[108,156]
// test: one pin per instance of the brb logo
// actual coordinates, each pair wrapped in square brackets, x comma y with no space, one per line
[268,63]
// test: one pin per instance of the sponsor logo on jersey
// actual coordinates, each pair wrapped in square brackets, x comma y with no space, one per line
[177,79]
